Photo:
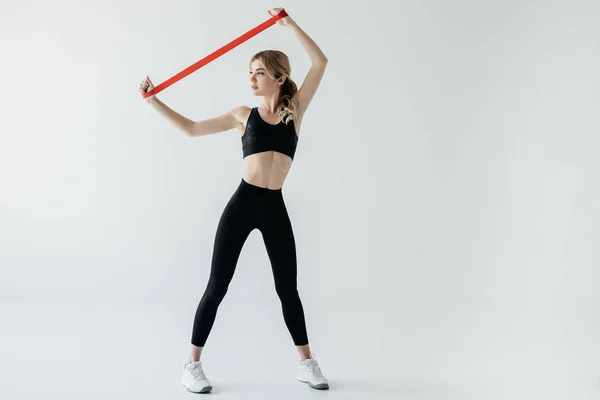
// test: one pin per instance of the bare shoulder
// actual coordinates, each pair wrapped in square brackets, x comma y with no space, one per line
[228,120]
[241,114]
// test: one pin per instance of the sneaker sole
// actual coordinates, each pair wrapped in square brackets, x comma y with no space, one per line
[320,386]
[203,390]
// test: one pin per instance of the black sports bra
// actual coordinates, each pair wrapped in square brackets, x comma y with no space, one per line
[261,136]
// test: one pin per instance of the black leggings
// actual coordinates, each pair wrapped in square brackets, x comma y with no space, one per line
[253,207]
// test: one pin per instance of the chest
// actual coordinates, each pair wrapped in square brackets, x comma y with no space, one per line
[258,131]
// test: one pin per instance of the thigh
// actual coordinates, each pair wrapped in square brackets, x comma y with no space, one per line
[233,229]
[278,235]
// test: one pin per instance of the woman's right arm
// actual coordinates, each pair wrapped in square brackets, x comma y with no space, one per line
[182,123]
[223,122]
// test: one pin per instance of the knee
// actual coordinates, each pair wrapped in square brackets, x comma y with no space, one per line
[287,292]
[215,293]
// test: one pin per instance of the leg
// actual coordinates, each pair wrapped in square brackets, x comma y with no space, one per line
[281,247]
[196,352]
[304,352]
[232,232]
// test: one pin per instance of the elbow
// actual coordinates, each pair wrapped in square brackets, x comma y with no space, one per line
[321,61]
[192,130]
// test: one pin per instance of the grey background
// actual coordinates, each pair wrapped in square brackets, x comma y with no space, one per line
[444,199]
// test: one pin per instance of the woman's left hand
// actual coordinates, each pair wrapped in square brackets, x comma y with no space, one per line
[283,21]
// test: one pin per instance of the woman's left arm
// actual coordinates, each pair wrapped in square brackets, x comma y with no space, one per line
[318,62]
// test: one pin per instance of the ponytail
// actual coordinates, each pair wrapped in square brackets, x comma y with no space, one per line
[287,105]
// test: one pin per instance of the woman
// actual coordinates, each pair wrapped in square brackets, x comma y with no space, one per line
[269,135]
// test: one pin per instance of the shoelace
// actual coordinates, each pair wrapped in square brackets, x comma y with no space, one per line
[196,370]
[313,367]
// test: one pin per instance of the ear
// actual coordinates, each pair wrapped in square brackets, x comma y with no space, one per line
[281,80]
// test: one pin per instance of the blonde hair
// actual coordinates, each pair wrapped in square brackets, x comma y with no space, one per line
[277,65]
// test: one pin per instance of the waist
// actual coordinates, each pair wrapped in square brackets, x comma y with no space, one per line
[259,190]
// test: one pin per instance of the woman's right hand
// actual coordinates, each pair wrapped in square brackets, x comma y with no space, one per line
[145,86]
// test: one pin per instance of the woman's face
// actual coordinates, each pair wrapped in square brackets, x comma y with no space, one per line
[260,83]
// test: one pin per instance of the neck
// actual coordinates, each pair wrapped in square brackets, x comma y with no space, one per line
[270,103]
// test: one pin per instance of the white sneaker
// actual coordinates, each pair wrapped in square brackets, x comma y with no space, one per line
[309,372]
[193,378]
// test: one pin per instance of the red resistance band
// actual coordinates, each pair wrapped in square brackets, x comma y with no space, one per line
[216,54]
